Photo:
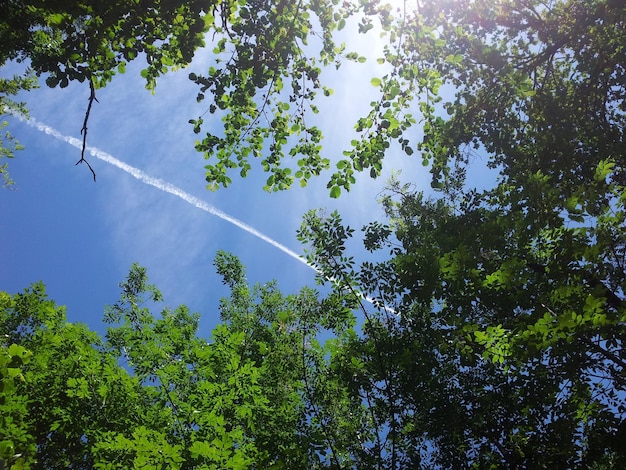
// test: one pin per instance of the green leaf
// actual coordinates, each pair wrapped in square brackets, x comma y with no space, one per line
[56,19]
[52,81]
[7,449]
[604,169]
[200,449]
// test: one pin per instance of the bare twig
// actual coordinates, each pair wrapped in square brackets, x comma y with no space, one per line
[83,131]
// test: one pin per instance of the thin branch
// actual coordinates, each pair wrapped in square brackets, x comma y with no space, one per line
[83,131]
[610,355]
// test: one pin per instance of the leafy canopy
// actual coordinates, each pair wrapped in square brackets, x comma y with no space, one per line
[264,78]
[495,335]
[502,77]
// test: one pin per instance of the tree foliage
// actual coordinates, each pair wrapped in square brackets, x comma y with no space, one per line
[10,87]
[495,335]
[504,77]
[14,439]
[443,370]
[486,330]
[521,285]
[263,81]
[153,393]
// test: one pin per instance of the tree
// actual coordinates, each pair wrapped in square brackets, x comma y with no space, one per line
[268,58]
[522,284]
[73,389]
[472,350]
[8,145]
[206,398]
[486,330]
[154,394]
[520,74]
[441,372]
[14,439]
[514,78]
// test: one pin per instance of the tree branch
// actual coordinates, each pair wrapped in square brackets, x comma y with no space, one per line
[610,355]
[83,131]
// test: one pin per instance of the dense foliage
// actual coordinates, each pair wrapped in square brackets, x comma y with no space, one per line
[486,330]
[153,394]
[498,336]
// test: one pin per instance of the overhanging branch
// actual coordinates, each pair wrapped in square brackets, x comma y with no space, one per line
[83,131]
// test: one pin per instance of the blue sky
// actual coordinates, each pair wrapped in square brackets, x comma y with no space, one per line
[81,237]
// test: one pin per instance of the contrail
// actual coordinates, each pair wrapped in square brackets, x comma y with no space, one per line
[176,191]
[162,185]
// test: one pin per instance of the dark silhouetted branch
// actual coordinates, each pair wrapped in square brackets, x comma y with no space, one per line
[83,131]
